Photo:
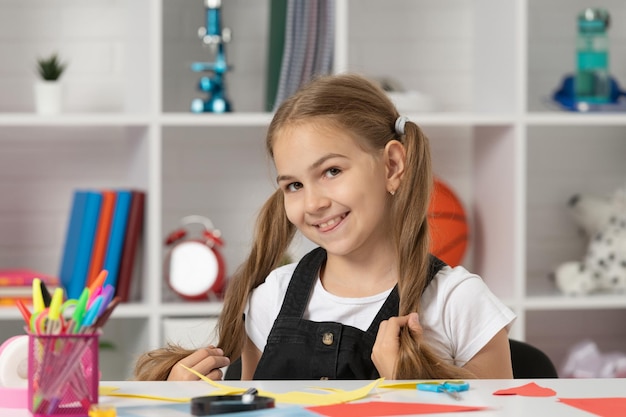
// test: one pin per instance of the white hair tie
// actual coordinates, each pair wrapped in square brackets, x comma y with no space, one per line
[400,122]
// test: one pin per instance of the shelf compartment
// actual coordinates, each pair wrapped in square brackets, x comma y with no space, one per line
[443,50]
[128,338]
[552,32]
[556,332]
[246,53]
[563,161]
[106,46]
[216,172]
[41,167]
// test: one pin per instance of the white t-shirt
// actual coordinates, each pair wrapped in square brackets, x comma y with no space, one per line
[459,313]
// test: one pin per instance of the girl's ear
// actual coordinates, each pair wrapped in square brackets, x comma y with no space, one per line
[395,163]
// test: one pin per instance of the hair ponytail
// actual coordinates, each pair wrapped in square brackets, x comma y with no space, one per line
[411,202]
[273,235]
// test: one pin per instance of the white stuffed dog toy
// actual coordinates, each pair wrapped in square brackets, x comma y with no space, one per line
[603,268]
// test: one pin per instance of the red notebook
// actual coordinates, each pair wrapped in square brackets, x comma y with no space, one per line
[134,228]
[23,276]
[18,283]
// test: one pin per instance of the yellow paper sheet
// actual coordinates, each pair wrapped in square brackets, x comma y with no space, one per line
[399,385]
[330,397]
[336,396]
[114,392]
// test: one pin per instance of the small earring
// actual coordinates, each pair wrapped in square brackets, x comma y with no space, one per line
[392,192]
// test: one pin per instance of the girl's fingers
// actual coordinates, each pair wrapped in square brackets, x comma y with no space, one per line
[392,326]
[414,324]
[388,335]
[215,351]
[204,361]
[199,355]
[211,363]
[215,375]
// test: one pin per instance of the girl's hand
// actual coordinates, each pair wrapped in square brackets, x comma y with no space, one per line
[206,361]
[387,345]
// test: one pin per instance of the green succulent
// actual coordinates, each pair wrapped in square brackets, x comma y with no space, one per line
[50,68]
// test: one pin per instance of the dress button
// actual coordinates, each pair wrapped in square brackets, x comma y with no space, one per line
[328,338]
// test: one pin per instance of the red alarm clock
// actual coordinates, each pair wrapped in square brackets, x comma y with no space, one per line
[194,267]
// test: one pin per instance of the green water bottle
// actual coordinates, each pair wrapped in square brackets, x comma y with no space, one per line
[592,82]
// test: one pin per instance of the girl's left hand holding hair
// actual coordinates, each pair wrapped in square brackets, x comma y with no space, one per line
[492,361]
[206,361]
[387,345]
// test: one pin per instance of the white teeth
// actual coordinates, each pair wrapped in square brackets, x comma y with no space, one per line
[330,222]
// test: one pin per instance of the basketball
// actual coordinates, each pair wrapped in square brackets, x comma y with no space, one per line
[449,231]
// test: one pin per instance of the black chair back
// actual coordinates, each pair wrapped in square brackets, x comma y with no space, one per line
[530,362]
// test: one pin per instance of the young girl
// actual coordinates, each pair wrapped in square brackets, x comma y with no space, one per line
[354,177]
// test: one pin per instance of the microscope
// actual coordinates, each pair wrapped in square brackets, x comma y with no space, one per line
[213,38]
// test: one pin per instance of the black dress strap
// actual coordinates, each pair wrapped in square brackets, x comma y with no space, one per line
[391,306]
[302,283]
[435,266]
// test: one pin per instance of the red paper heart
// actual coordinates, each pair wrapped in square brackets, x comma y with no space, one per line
[528,390]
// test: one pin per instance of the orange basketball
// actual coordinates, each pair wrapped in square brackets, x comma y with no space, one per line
[449,231]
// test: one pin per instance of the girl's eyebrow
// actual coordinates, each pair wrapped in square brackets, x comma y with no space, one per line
[314,166]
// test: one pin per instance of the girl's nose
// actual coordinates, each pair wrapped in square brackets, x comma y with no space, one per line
[316,200]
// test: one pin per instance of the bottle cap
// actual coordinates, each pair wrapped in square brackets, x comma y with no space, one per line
[594,18]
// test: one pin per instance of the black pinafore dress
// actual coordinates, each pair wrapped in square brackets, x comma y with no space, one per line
[304,349]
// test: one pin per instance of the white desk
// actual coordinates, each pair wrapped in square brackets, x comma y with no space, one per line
[480,394]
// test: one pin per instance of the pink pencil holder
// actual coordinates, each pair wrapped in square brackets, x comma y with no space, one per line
[62,374]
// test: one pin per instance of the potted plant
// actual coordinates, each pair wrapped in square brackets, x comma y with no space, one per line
[48,88]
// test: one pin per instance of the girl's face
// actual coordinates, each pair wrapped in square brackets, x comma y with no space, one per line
[335,191]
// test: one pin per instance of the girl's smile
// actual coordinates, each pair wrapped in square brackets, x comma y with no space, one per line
[331,224]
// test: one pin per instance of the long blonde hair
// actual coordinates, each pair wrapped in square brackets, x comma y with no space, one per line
[357,105]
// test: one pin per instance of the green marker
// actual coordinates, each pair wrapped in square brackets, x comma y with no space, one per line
[79,312]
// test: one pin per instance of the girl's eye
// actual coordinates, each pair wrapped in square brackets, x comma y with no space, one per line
[294,186]
[332,172]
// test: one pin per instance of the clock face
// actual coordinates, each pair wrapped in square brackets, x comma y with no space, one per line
[194,269]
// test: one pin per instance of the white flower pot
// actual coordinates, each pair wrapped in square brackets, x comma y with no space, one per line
[48,97]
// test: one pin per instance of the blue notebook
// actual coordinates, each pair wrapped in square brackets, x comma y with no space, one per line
[79,240]
[117,236]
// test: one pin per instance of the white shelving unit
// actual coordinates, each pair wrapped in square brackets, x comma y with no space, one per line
[489,64]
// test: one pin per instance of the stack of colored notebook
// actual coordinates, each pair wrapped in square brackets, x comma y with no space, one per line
[103,233]
[17,284]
